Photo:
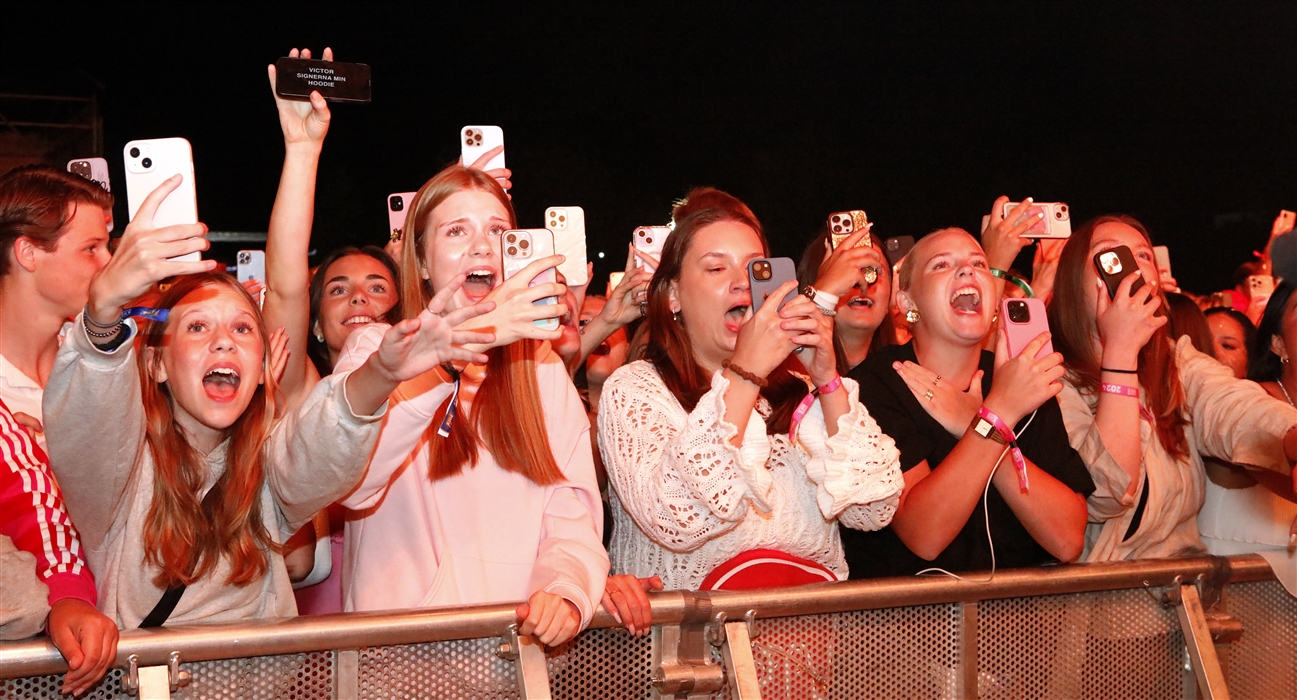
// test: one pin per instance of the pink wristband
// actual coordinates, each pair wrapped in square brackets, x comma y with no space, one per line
[1019,462]
[805,406]
[1120,390]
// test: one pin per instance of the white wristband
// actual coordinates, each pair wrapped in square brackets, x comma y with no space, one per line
[825,301]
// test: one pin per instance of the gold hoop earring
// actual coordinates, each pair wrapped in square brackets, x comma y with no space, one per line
[912,316]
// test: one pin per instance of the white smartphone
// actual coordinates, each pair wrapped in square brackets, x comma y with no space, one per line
[1162,255]
[614,279]
[650,239]
[476,140]
[149,163]
[518,248]
[397,205]
[95,170]
[252,265]
[1056,224]
[568,226]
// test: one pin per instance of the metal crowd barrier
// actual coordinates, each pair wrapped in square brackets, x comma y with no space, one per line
[1205,627]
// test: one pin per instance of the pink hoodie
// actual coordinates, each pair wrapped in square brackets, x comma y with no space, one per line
[484,535]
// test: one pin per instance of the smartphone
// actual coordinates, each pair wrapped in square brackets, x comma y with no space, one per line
[650,240]
[476,140]
[95,170]
[844,223]
[1287,219]
[764,277]
[521,246]
[149,163]
[397,202]
[898,247]
[1114,265]
[1056,224]
[1162,255]
[252,265]
[1024,321]
[296,78]
[614,279]
[1260,286]
[568,226]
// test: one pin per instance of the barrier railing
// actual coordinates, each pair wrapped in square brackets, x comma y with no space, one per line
[1133,629]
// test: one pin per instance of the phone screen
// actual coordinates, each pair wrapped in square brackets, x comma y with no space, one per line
[296,78]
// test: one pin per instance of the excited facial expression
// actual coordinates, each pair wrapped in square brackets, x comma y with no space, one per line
[951,287]
[866,308]
[463,237]
[712,292]
[358,291]
[212,359]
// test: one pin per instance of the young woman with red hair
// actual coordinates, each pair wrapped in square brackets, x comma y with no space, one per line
[1142,409]
[482,487]
[185,488]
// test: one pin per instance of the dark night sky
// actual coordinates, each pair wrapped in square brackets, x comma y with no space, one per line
[920,113]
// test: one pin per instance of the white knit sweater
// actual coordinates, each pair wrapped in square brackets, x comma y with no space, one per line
[686,500]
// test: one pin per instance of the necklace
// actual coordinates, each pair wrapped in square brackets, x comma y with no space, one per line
[1285,392]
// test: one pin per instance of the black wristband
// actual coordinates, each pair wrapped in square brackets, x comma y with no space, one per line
[1119,371]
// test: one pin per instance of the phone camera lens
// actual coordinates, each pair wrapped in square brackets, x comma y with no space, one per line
[148,163]
[135,153]
[512,251]
[1019,312]
[396,203]
[523,244]
[648,241]
[511,237]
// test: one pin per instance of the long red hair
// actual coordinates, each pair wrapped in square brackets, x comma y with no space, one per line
[507,416]
[1073,327]
[186,536]
[669,348]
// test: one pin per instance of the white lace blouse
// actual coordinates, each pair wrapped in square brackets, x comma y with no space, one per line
[685,500]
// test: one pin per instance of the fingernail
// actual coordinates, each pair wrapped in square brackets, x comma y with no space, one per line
[1028,200]
[896,365]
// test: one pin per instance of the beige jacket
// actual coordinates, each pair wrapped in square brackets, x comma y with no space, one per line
[1230,419]
[94,419]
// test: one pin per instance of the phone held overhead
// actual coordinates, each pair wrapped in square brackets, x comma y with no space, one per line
[297,78]
[519,247]
[568,226]
[149,163]
[844,223]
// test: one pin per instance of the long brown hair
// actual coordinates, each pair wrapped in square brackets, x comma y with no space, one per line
[1073,327]
[669,348]
[507,416]
[186,536]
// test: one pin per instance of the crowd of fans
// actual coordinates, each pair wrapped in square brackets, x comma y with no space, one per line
[394,429]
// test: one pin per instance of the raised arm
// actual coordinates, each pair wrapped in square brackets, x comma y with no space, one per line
[288,239]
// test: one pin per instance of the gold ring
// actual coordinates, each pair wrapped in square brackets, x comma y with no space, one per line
[937,380]
[929,395]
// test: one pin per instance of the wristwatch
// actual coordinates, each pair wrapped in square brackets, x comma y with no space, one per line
[827,303]
[986,429]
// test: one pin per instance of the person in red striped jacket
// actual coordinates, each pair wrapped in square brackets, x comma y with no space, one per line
[33,516]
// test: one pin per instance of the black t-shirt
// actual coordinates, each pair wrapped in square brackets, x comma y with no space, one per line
[920,437]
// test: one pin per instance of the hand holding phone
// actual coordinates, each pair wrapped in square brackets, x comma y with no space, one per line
[650,240]
[568,226]
[1283,223]
[765,275]
[474,141]
[1024,320]
[1114,265]
[296,78]
[519,247]
[149,164]
[398,204]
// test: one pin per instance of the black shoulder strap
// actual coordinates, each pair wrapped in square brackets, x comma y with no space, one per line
[171,597]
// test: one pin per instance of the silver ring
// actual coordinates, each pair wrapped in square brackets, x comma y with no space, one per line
[929,395]
[643,308]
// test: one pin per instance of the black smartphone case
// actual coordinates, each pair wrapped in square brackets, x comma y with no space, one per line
[295,78]
[1112,276]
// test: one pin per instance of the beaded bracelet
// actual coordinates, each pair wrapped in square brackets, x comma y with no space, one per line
[744,374]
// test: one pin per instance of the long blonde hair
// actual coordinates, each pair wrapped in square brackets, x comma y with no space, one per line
[184,536]
[507,416]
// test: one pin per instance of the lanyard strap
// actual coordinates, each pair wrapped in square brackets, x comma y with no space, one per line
[452,409]
[1019,462]
[805,406]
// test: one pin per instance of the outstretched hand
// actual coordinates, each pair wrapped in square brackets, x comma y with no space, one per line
[144,257]
[307,122]
[419,344]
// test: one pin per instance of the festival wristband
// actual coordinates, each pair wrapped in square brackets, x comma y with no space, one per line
[805,406]
[1019,462]
[1017,281]
[1120,390]
[146,312]
[830,300]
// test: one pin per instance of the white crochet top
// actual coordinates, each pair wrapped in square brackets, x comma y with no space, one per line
[685,500]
